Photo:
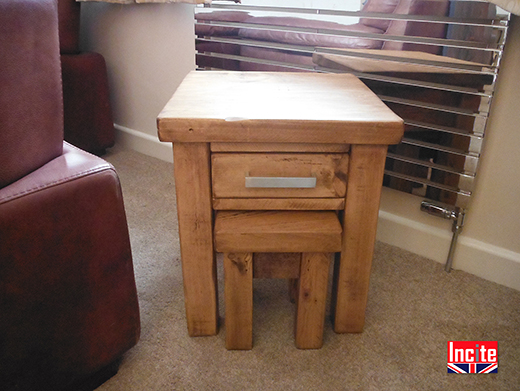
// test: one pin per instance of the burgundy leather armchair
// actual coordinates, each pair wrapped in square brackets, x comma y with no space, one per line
[68,301]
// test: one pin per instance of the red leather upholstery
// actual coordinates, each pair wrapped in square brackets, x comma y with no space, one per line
[68,22]
[88,114]
[225,16]
[88,121]
[30,90]
[68,301]
[418,29]
[311,39]
[378,6]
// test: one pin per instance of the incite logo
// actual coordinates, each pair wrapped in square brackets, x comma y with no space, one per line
[472,356]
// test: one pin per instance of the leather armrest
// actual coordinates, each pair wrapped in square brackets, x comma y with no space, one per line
[69,304]
[72,164]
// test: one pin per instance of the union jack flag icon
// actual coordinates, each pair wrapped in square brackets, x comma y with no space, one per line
[472,368]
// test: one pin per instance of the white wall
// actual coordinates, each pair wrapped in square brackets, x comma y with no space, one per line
[149,48]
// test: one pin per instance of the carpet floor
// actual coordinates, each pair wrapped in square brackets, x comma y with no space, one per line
[414,309]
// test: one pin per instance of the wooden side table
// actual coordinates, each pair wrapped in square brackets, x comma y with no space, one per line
[229,127]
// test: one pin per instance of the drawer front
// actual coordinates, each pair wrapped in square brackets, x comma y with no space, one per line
[279,175]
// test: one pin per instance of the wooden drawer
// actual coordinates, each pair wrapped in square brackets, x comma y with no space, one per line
[229,172]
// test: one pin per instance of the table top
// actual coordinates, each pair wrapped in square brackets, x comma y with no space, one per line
[220,106]
[393,61]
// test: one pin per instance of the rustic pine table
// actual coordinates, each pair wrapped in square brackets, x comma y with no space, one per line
[277,141]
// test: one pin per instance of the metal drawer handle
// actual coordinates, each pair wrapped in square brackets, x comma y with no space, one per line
[281,182]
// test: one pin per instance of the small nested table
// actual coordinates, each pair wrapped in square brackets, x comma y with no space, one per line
[256,141]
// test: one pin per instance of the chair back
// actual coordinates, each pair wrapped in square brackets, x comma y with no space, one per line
[31,103]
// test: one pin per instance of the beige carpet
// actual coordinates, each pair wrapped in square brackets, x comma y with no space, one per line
[414,308]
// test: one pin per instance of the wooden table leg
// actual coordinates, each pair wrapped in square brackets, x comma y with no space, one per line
[365,179]
[238,296]
[312,298]
[193,188]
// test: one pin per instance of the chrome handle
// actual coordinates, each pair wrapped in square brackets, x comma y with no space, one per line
[281,182]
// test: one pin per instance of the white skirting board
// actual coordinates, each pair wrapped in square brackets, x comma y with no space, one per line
[144,143]
[473,256]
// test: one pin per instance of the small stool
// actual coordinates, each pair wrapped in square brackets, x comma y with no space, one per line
[240,234]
